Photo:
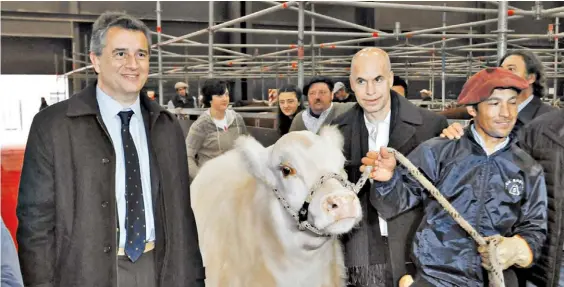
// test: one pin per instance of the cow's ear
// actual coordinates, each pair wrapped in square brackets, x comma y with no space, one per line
[332,135]
[255,157]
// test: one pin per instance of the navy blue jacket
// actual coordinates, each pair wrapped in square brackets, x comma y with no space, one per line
[503,193]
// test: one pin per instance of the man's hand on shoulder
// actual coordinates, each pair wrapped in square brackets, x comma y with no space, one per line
[454,131]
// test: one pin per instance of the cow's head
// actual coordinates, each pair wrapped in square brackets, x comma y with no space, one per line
[294,164]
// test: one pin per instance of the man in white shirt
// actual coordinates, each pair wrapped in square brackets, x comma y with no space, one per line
[381,118]
[104,198]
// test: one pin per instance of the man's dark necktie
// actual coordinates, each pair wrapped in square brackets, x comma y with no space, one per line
[135,210]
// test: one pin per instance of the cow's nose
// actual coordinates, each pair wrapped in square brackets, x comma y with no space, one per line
[340,206]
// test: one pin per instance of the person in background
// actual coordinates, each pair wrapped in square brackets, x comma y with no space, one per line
[151,95]
[400,86]
[499,189]
[43,104]
[104,199]
[375,252]
[289,104]
[215,130]
[527,66]
[11,273]
[321,109]
[341,95]
[182,99]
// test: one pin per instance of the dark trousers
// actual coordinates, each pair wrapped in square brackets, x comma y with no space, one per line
[139,274]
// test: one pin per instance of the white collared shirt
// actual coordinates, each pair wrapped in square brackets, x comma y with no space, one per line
[312,123]
[481,142]
[109,109]
[379,136]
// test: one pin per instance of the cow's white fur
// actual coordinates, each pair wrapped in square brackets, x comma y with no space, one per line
[246,237]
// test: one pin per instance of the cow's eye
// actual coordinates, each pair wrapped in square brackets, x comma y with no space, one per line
[287,171]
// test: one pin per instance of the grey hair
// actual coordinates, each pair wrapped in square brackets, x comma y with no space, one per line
[114,19]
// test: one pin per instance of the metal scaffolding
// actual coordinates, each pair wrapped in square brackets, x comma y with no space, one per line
[418,62]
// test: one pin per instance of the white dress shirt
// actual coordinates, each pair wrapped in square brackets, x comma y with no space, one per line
[312,123]
[379,136]
[109,109]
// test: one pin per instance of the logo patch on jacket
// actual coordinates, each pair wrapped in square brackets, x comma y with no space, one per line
[514,186]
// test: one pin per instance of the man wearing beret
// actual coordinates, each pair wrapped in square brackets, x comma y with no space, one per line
[497,187]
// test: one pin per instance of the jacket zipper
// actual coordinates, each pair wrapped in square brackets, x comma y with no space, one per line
[116,239]
[481,203]
[480,208]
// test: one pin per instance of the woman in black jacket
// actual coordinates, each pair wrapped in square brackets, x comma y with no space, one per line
[289,104]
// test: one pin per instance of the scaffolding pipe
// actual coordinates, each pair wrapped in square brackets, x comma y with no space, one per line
[57,64]
[332,19]
[277,66]
[325,46]
[301,45]
[160,54]
[194,42]
[210,40]
[372,36]
[470,56]
[556,24]
[312,39]
[86,57]
[65,64]
[548,12]
[423,31]
[266,11]
[443,55]
[295,32]
[432,89]
[502,30]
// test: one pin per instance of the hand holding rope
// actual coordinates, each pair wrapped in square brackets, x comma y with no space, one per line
[495,270]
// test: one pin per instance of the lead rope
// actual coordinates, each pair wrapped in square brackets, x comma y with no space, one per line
[496,274]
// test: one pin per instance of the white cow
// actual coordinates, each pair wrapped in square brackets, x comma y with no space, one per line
[247,237]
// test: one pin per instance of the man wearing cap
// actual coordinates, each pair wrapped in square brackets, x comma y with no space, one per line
[181,99]
[526,65]
[340,94]
[497,187]
[321,109]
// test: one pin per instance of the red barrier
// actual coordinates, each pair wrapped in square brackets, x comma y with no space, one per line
[12,161]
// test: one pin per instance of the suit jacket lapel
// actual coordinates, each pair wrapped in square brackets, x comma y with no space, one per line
[152,159]
[404,116]
[356,138]
[528,113]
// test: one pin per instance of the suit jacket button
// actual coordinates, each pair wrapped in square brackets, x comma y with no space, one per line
[104,203]
[105,161]
[107,249]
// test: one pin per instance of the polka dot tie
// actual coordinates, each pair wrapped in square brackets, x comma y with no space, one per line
[135,210]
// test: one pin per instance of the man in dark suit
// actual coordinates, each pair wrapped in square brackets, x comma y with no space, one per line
[104,198]
[376,253]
